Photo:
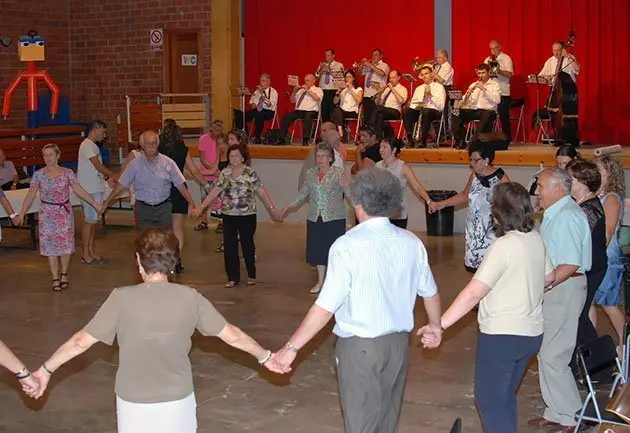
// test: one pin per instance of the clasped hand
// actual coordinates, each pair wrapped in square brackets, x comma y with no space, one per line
[431,336]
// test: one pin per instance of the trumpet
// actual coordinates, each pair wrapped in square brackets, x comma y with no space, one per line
[416,65]
[464,102]
[361,64]
[321,66]
[494,66]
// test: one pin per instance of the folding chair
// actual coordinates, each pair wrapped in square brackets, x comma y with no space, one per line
[313,130]
[438,135]
[346,124]
[520,126]
[594,357]
[400,128]
[274,122]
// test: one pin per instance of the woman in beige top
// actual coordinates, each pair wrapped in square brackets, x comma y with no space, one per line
[153,322]
[509,286]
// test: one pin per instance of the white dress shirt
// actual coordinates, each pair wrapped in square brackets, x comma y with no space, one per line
[335,67]
[375,273]
[567,64]
[488,100]
[436,101]
[446,71]
[388,99]
[347,101]
[373,77]
[270,93]
[505,64]
[308,103]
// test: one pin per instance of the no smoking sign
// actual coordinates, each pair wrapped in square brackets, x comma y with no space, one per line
[156,40]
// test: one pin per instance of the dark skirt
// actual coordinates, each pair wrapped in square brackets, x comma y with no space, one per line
[180,205]
[320,237]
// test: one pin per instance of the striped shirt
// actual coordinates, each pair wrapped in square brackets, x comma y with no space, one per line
[375,272]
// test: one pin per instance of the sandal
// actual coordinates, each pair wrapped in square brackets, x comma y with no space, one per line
[91,262]
[251,281]
[219,248]
[230,284]
[201,226]
[64,284]
[56,287]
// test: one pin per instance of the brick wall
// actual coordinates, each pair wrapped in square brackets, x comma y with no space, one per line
[109,42]
[51,19]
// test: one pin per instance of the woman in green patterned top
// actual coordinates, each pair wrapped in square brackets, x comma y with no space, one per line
[323,188]
[239,183]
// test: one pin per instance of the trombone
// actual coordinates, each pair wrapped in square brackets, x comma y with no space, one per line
[416,64]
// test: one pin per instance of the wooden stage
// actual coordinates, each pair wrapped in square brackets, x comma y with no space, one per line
[519,154]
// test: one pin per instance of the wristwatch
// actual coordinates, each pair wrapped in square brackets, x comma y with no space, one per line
[290,347]
[13,215]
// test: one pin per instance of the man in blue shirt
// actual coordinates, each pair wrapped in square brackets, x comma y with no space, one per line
[567,237]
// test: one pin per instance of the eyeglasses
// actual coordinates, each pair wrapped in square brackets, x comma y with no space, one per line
[475,159]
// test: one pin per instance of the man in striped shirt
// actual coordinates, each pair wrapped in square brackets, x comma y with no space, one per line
[375,272]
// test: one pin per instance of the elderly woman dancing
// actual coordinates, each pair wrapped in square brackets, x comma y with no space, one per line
[323,188]
[154,322]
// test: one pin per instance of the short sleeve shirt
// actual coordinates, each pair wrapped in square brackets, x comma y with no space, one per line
[238,191]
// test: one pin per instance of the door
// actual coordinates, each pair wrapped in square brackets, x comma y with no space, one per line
[183,62]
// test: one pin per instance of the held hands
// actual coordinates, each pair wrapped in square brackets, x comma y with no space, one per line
[431,336]
[191,209]
[276,214]
[18,220]
[435,206]
[42,377]
[30,386]
[284,358]
[195,212]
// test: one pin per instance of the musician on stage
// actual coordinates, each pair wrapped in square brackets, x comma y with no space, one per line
[389,103]
[558,62]
[443,72]
[350,96]
[480,102]
[505,69]
[326,72]
[307,100]
[262,106]
[428,101]
[376,72]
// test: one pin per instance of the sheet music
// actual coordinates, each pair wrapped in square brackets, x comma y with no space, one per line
[293,80]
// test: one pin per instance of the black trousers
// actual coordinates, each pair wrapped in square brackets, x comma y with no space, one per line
[411,116]
[7,186]
[243,226]
[504,116]
[307,118]
[485,118]
[258,117]
[379,116]
[369,106]
[328,104]
[339,115]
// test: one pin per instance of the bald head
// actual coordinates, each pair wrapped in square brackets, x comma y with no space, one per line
[309,79]
[495,47]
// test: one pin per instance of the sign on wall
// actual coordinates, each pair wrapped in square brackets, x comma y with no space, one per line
[189,59]
[156,40]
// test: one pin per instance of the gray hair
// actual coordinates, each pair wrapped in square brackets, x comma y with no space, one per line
[378,191]
[561,178]
[266,76]
[322,145]
[443,51]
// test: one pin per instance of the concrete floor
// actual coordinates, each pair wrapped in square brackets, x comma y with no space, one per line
[233,394]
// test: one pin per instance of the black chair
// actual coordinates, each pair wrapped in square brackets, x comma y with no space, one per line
[596,356]
[457,426]
[520,126]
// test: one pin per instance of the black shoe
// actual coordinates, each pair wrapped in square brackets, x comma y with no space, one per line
[258,140]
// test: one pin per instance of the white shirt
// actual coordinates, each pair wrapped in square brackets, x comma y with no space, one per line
[373,77]
[88,176]
[388,99]
[435,102]
[269,93]
[567,64]
[308,103]
[488,100]
[335,67]
[446,71]
[374,293]
[505,64]
[347,101]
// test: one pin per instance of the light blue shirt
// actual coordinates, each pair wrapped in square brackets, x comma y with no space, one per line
[567,234]
[375,273]
[152,181]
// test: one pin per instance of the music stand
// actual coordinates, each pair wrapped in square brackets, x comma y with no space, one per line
[242,92]
[538,81]
[411,80]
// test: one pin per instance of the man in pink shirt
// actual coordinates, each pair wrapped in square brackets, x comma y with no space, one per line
[209,158]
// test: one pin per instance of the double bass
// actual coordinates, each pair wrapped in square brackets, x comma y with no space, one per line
[563,99]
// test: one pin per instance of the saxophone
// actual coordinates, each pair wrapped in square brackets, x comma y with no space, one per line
[464,102]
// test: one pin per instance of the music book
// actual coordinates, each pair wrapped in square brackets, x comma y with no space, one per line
[293,80]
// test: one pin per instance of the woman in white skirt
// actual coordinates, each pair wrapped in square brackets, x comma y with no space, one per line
[153,322]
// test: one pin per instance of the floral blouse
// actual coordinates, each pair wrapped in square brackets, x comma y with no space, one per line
[238,192]
[325,197]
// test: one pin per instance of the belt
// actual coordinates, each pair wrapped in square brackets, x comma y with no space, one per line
[154,205]
[63,205]
[576,274]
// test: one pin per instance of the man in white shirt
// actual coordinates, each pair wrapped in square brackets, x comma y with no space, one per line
[262,106]
[327,71]
[91,175]
[372,298]
[307,100]
[481,101]
[504,70]
[390,103]
[376,72]
[428,100]
[443,72]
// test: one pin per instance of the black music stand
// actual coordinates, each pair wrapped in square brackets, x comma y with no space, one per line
[411,80]
[543,134]
[242,92]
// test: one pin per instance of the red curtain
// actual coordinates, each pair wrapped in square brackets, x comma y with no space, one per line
[285,37]
[526,29]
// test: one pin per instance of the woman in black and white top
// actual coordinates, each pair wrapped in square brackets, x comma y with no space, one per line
[347,101]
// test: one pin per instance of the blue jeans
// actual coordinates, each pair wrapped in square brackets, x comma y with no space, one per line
[501,364]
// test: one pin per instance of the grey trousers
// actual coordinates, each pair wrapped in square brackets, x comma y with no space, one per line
[562,306]
[153,216]
[371,374]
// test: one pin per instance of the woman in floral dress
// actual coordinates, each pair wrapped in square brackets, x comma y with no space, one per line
[56,221]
